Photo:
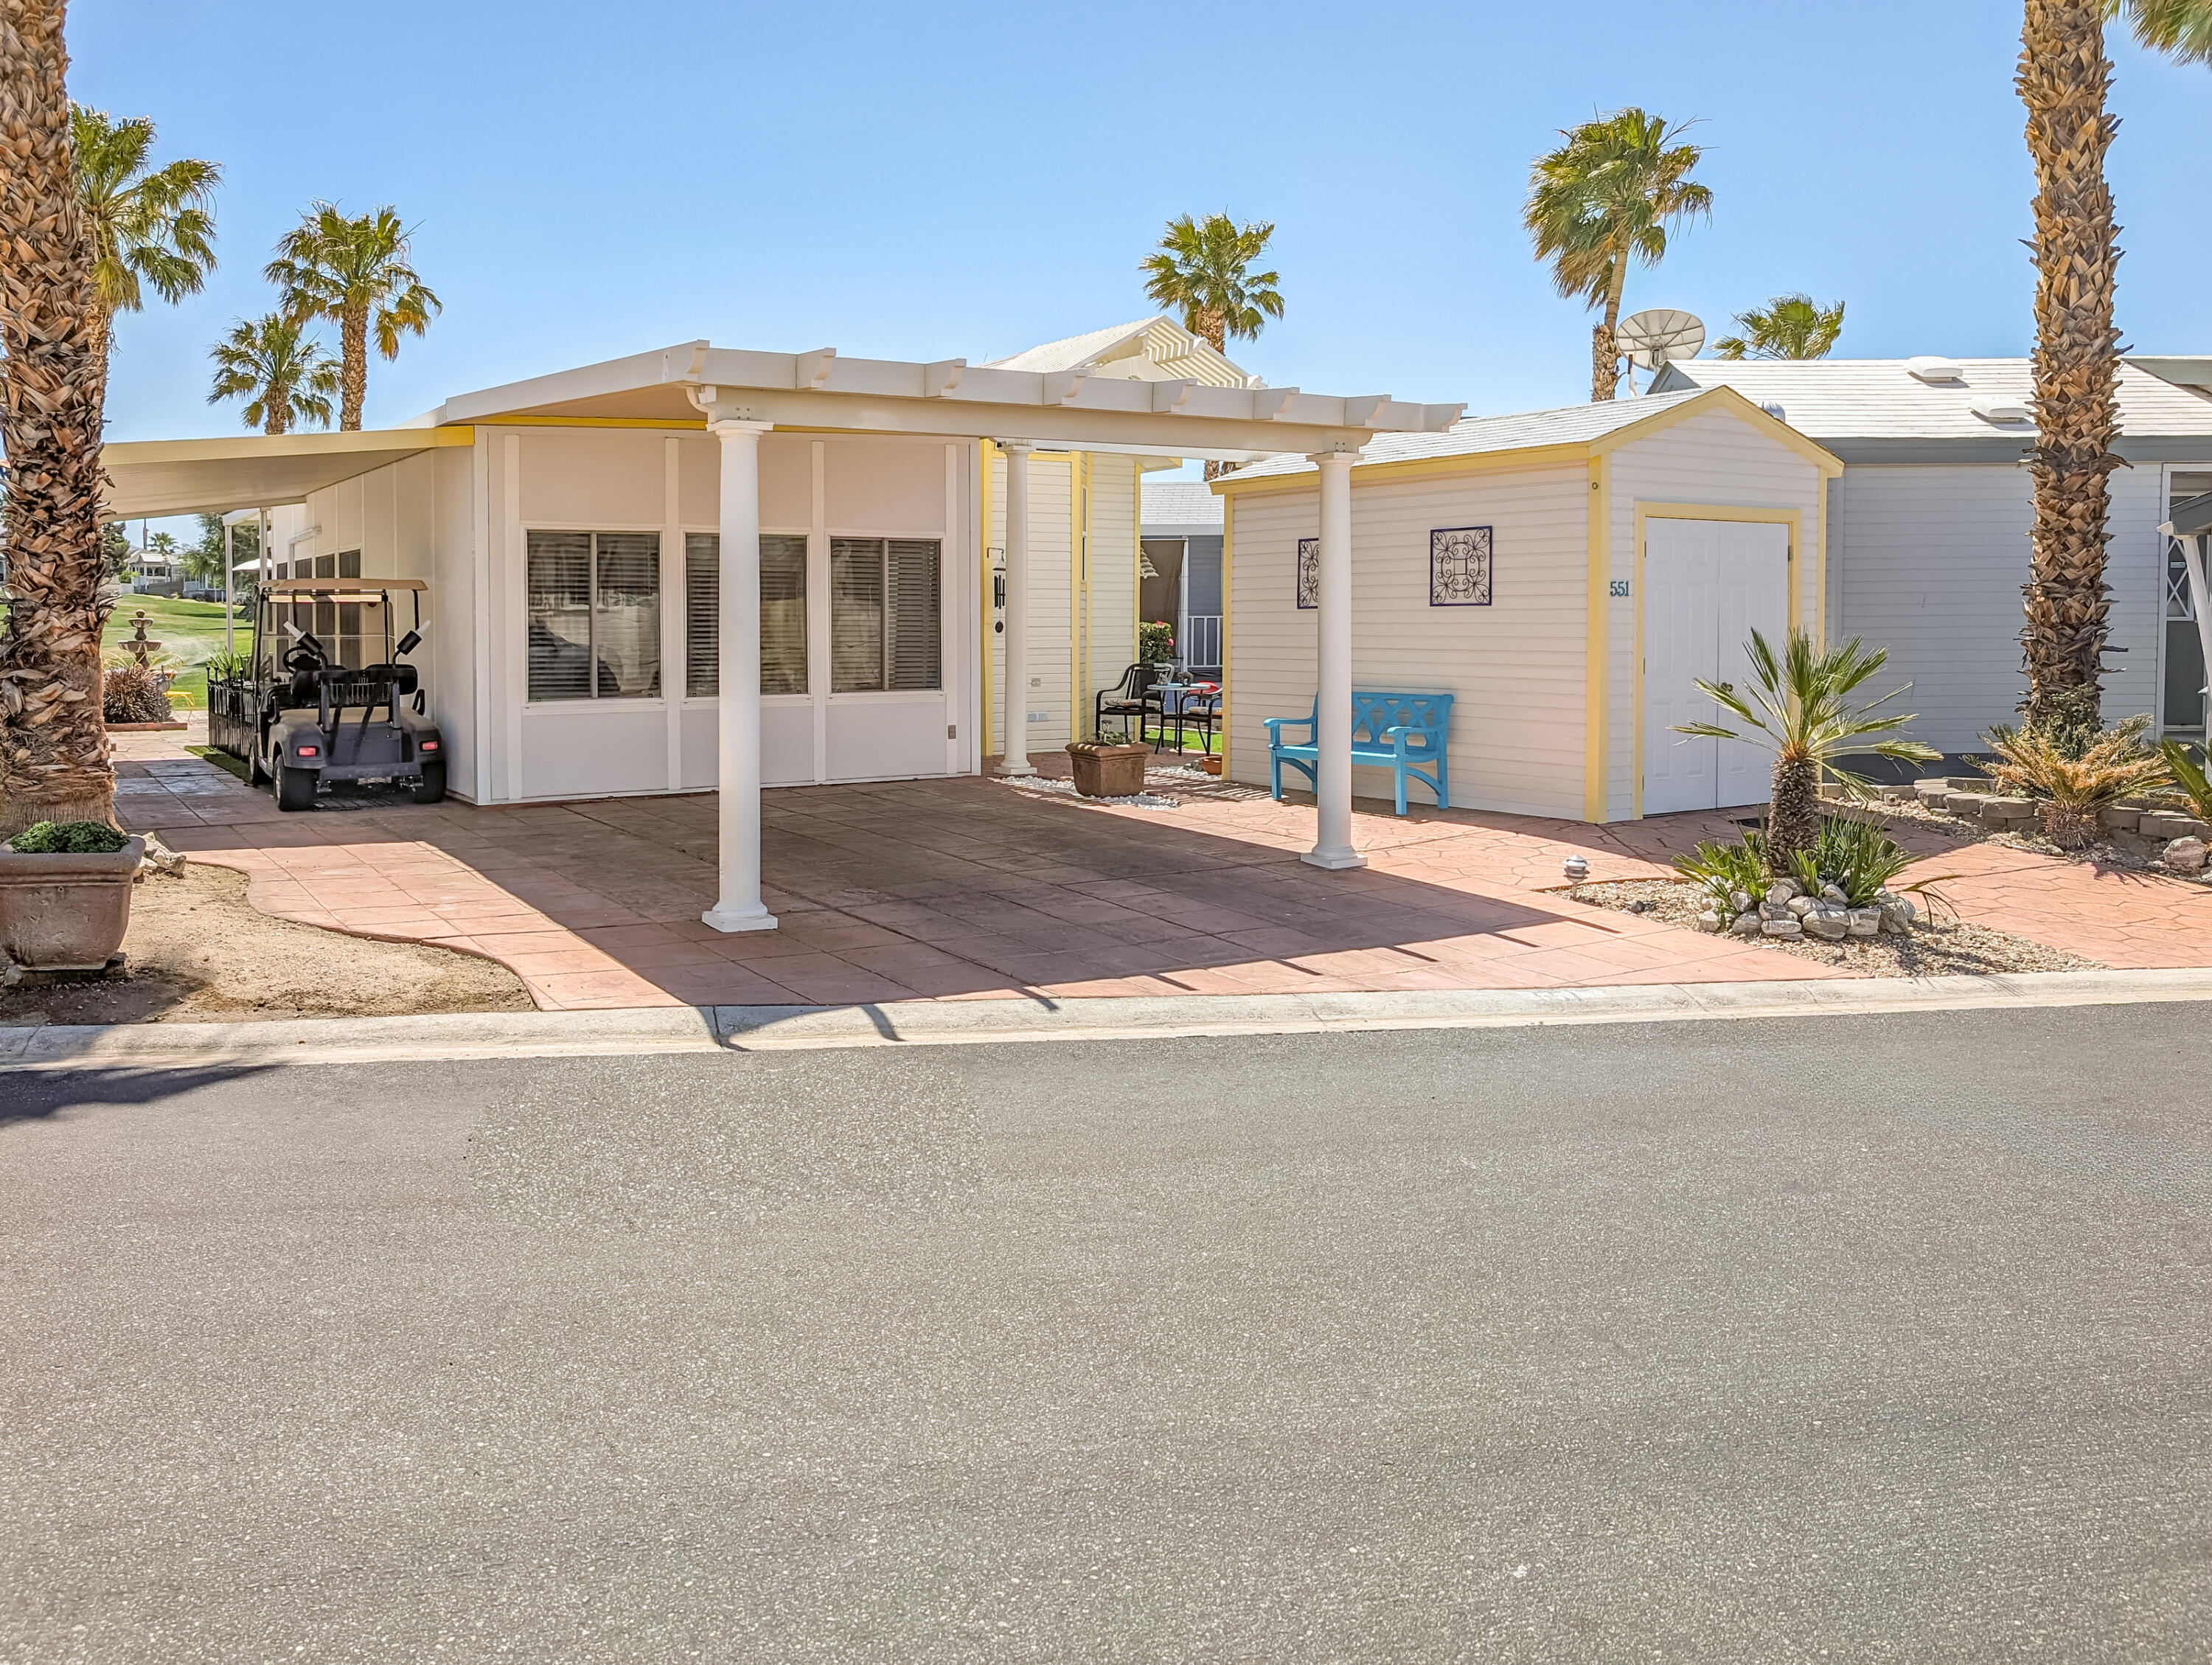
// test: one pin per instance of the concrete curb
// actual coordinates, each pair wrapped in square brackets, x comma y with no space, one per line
[962,1023]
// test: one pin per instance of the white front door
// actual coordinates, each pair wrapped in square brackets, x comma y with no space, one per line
[1707,585]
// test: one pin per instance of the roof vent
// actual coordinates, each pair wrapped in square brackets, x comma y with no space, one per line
[2003,410]
[1935,369]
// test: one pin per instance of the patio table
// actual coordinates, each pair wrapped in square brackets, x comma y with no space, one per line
[1187,702]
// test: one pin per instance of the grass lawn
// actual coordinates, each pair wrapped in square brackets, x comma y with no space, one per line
[189,630]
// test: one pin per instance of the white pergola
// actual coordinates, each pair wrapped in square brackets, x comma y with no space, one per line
[743,395]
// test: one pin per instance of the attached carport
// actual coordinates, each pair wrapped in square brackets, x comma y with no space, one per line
[152,477]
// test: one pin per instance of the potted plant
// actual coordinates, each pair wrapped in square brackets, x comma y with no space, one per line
[1108,768]
[65,895]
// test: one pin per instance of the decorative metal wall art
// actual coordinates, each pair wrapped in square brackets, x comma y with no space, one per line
[1309,573]
[1459,566]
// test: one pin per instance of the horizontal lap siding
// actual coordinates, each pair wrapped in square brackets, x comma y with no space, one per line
[1713,458]
[1113,573]
[1050,558]
[1515,668]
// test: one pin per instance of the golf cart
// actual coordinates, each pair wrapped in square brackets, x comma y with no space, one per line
[298,714]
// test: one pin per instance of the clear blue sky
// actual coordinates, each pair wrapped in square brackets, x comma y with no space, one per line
[929,182]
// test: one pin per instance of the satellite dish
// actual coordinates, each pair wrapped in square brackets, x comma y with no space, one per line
[1660,336]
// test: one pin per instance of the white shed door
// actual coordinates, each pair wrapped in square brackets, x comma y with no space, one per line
[1707,585]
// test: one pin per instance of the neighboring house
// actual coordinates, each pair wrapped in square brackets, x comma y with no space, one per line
[1929,522]
[1564,574]
[1182,555]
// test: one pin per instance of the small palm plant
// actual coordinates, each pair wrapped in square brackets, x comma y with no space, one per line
[2188,772]
[2069,782]
[1802,711]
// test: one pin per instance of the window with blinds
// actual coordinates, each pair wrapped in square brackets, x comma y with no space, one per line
[783,614]
[886,614]
[594,615]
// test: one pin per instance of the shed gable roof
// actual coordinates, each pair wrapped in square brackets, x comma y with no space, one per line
[1570,431]
[1149,349]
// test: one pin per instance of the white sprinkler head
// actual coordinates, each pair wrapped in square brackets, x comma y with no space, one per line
[1575,867]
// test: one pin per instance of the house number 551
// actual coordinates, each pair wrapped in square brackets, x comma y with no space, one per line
[1619,587]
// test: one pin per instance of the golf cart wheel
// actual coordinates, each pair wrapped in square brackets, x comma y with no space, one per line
[431,788]
[295,787]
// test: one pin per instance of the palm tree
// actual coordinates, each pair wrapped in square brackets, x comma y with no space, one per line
[285,377]
[149,226]
[2064,78]
[1801,710]
[53,741]
[1607,195]
[1791,327]
[1203,269]
[354,272]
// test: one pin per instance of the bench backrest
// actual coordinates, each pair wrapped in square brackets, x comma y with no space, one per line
[1375,713]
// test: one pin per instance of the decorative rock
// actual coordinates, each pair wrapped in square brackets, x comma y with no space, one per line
[1864,921]
[1781,927]
[1741,901]
[1897,915]
[1781,890]
[1833,893]
[2185,855]
[1801,906]
[1830,924]
[1898,794]
[2006,811]
[1709,922]
[1932,791]
[1748,924]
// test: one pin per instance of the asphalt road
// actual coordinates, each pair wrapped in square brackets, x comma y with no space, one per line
[1860,1339]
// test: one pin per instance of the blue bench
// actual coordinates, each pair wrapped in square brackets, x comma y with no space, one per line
[1405,733]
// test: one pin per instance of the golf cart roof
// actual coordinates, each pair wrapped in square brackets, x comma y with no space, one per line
[341,585]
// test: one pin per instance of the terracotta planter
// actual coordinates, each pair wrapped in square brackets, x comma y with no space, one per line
[65,913]
[1210,762]
[1107,769]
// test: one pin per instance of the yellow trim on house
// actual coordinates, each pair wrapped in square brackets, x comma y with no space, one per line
[985,451]
[592,422]
[1079,585]
[1598,646]
[1792,519]
[1563,454]
[1228,540]
[1780,432]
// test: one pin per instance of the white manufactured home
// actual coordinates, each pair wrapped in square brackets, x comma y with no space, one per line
[1928,539]
[705,566]
[1564,574]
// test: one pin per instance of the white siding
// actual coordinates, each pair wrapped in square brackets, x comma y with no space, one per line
[1515,668]
[1051,554]
[1714,458]
[1111,561]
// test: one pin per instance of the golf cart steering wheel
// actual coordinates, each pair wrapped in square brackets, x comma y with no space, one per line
[307,656]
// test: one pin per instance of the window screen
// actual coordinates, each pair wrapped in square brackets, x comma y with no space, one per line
[326,566]
[594,615]
[885,614]
[783,614]
[348,563]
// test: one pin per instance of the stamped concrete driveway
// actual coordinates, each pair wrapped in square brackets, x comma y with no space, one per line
[1839,1338]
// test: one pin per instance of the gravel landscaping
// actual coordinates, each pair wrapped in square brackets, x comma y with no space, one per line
[1935,948]
[2123,852]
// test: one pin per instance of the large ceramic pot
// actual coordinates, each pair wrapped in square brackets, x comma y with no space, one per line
[63,912]
[1103,770]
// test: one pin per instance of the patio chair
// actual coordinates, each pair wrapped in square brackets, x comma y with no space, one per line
[1132,697]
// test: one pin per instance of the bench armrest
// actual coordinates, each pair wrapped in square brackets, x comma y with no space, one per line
[1397,738]
[1277,724]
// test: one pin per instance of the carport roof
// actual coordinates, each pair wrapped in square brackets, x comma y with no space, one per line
[252,471]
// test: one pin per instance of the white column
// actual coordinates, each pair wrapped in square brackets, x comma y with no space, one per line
[1332,735]
[738,667]
[1015,729]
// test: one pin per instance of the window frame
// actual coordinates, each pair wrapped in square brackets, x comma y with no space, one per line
[594,701]
[946,607]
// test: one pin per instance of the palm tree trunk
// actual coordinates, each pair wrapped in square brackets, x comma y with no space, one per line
[1213,328]
[2064,76]
[53,742]
[1793,811]
[353,346]
[1604,345]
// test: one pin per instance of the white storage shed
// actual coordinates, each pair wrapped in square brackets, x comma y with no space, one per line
[1565,575]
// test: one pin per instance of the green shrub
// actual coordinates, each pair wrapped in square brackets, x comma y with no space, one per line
[1155,642]
[1724,869]
[68,838]
[2189,775]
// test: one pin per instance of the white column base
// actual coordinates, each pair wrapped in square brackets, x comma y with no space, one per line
[1336,861]
[727,919]
[1010,769]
